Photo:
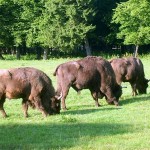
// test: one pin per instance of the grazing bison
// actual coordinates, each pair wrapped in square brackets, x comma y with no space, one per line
[30,84]
[93,73]
[130,70]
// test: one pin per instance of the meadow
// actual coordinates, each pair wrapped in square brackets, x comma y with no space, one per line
[83,126]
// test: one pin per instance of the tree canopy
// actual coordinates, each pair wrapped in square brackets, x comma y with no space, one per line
[133,18]
[66,25]
[51,23]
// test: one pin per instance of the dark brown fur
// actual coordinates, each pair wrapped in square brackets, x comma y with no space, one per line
[93,73]
[130,70]
[30,84]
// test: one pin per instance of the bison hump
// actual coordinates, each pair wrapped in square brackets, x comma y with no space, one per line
[4,73]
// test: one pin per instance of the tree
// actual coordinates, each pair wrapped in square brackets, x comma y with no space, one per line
[64,24]
[13,25]
[133,18]
[25,30]
[6,21]
[57,24]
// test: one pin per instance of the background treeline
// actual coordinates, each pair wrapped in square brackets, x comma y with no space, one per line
[75,27]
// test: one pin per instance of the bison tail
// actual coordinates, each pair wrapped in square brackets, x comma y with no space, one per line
[54,74]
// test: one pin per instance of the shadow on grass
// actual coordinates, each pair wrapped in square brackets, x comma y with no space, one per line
[89,110]
[134,99]
[56,136]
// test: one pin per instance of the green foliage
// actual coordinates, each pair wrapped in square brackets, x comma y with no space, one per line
[64,24]
[133,17]
[24,57]
[7,19]
[52,23]
[26,27]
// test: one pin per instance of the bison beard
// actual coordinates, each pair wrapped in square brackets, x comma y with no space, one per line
[130,70]
[93,73]
[30,84]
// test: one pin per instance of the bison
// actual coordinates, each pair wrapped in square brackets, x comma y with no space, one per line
[32,85]
[130,70]
[93,73]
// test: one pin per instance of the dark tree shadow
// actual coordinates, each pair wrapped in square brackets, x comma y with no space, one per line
[56,136]
[134,99]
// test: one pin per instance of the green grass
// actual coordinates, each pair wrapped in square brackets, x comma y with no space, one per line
[83,126]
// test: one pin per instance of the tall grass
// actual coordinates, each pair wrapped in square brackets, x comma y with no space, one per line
[83,126]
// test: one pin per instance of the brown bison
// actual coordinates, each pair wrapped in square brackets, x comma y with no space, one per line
[93,73]
[130,70]
[30,84]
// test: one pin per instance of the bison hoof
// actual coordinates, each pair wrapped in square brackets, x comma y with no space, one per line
[45,115]
[64,109]
[5,116]
[98,105]
[116,103]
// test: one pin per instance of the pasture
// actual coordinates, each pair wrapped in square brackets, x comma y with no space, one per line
[83,126]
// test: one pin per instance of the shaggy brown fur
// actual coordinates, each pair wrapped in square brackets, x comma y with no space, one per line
[130,70]
[30,84]
[93,73]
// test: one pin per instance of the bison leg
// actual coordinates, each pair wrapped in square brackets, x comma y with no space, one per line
[25,108]
[110,97]
[65,92]
[63,89]
[2,108]
[95,97]
[38,105]
[134,91]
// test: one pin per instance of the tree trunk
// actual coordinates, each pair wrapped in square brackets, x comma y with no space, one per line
[1,57]
[38,53]
[136,51]
[18,53]
[45,55]
[87,48]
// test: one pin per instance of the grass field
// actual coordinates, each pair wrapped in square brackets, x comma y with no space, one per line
[83,126]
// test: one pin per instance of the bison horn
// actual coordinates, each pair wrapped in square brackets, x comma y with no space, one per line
[59,97]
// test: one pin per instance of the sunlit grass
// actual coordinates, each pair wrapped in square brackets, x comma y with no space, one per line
[83,126]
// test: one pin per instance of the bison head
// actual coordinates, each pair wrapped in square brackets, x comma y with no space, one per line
[117,92]
[55,105]
[142,86]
